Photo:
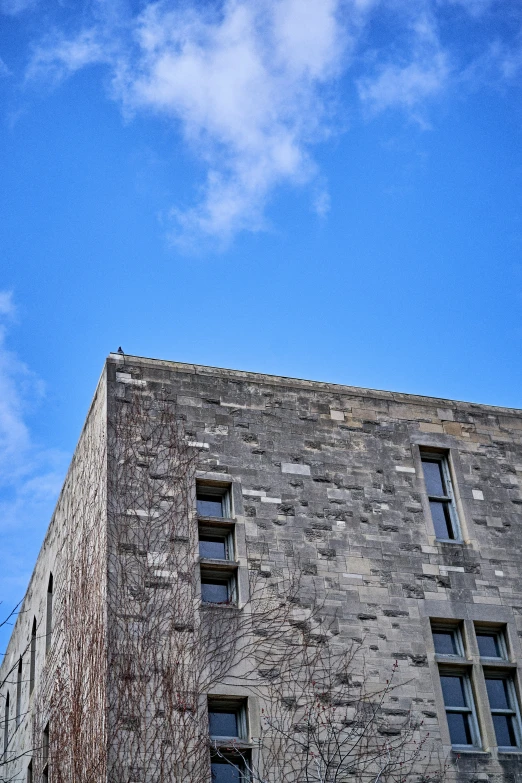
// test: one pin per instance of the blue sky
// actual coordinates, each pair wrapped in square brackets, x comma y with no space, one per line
[328,189]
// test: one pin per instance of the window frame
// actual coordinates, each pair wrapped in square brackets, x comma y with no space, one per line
[7,711]
[49,613]
[470,709]
[222,746]
[223,575]
[237,760]
[227,534]
[443,457]
[45,753]
[514,710]
[18,711]
[493,630]
[32,657]
[454,628]
[218,490]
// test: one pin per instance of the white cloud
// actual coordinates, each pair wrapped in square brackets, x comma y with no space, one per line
[30,475]
[57,56]
[245,88]
[409,80]
[248,83]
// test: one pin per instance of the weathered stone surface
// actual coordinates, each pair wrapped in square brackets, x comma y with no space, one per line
[330,476]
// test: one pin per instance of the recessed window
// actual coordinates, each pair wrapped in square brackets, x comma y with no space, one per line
[45,755]
[49,615]
[213,547]
[227,769]
[458,701]
[447,641]
[19,692]
[223,722]
[6,724]
[440,496]
[218,589]
[227,718]
[212,501]
[227,725]
[504,710]
[491,644]
[32,657]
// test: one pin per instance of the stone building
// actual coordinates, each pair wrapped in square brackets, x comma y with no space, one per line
[404,517]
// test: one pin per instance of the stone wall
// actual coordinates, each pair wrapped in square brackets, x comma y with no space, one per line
[332,475]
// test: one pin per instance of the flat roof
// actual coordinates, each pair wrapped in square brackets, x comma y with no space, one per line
[299,383]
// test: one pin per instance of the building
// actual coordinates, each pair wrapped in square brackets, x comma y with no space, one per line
[396,517]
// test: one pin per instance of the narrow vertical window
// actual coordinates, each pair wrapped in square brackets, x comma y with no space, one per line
[504,711]
[227,723]
[458,701]
[30,772]
[19,691]
[441,498]
[49,615]
[32,652]
[6,725]
[213,501]
[45,755]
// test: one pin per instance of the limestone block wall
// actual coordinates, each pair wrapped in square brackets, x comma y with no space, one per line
[82,501]
[331,475]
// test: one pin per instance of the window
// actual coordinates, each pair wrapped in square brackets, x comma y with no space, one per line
[227,768]
[45,755]
[440,496]
[458,701]
[18,692]
[218,588]
[32,653]
[6,724]
[447,641]
[456,684]
[217,564]
[213,501]
[30,772]
[227,725]
[214,547]
[504,710]
[49,615]
[216,543]
[491,643]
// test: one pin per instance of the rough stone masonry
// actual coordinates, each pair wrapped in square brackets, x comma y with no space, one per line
[333,475]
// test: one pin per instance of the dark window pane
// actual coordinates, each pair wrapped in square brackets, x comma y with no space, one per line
[453,690]
[459,728]
[209,505]
[214,592]
[213,547]
[445,642]
[498,694]
[223,772]
[489,645]
[433,477]
[504,730]
[222,724]
[441,519]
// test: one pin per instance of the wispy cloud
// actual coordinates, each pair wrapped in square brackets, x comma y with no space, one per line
[413,76]
[244,85]
[30,475]
[248,83]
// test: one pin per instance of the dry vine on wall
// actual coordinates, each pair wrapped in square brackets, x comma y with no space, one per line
[136,653]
